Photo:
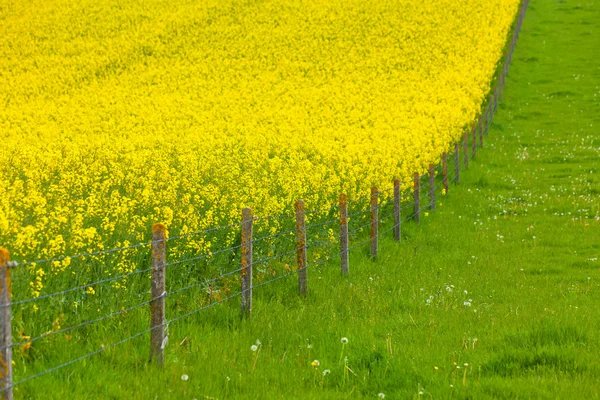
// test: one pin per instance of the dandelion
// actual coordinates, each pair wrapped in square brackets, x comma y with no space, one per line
[344,340]
[381,396]
[184,377]
[326,372]
[254,347]
[315,363]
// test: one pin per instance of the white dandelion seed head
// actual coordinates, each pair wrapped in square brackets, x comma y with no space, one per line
[344,340]
[381,396]
[326,372]
[254,347]
[184,377]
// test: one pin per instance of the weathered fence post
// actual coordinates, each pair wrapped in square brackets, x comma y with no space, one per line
[374,220]
[456,163]
[397,222]
[158,293]
[301,248]
[432,187]
[416,190]
[445,171]
[6,375]
[344,233]
[246,270]
[466,149]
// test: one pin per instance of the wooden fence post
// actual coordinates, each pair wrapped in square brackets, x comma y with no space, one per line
[344,255]
[301,248]
[397,228]
[246,270]
[158,293]
[374,220]
[445,171]
[466,149]
[6,375]
[456,163]
[432,187]
[416,189]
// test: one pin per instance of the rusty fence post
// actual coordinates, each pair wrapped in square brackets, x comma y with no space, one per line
[6,378]
[158,336]
[432,187]
[374,221]
[416,194]
[246,270]
[397,212]
[445,171]
[301,248]
[344,233]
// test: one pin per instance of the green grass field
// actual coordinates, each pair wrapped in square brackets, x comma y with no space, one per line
[494,295]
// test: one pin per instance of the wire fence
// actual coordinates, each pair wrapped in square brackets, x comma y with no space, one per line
[304,237]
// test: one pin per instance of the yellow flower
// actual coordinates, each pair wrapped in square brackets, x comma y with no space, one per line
[286,114]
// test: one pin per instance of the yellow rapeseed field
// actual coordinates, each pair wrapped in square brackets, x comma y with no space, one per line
[119,114]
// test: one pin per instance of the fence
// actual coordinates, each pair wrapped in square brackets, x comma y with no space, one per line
[437,182]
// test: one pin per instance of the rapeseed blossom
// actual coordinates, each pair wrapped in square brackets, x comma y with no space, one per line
[183,113]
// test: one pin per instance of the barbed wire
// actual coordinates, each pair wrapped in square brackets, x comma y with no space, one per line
[54,294]
[166,323]
[104,348]
[203,256]
[273,236]
[81,255]
[208,230]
